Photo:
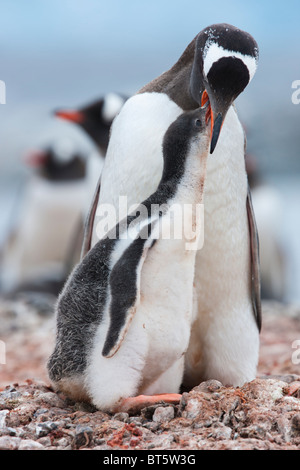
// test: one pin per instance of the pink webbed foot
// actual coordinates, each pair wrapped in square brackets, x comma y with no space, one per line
[133,405]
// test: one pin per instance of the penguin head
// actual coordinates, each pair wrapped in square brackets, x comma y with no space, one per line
[225,63]
[58,162]
[96,118]
[189,134]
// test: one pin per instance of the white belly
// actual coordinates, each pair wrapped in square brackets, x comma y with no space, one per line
[224,342]
[166,304]
[150,358]
[224,260]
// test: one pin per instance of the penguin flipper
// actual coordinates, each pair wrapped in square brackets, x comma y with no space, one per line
[255,265]
[124,283]
[89,223]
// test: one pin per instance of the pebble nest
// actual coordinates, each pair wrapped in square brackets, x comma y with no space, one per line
[263,414]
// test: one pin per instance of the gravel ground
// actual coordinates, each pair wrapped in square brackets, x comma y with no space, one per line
[264,414]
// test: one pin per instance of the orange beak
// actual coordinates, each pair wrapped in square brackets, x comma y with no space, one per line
[209,113]
[74,116]
[216,121]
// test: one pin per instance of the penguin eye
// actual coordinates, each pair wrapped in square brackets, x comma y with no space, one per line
[197,123]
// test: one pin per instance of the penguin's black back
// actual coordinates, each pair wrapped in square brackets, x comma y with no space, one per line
[79,308]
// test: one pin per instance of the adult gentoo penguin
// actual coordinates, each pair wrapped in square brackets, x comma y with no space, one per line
[124,317]
[51,212]
[217,65]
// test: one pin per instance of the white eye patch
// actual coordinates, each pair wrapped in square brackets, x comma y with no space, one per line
[214,52]
[64,151]
[111,106]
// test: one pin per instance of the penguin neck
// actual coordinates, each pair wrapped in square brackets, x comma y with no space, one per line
[180,196]
[181,82]
[98,133]
[183,178]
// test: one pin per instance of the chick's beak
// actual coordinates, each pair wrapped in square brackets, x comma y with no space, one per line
[204,101]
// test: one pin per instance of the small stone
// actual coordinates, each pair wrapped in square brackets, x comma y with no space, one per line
[121,416]
[9,443]
[10,393]
[294,389]
[216,396]
[296,422]
[9,398]
[62,448]
[163,441]
[137,420]
[99,442]
[163,414]
[49,398]
[3,414]
[284,428]
[11,431]
[255,431]
[42,429]
[192,408]
[100,447]
[40,411]
[63,442]
[83,436]
[240,416]
[151,426]
[21,415]
[210,386]
[45,441]
[29,444]
[222,432]
[18,432]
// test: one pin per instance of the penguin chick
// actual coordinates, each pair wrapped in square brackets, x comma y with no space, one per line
[124,316]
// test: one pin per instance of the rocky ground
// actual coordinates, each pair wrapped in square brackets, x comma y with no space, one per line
[264,414]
